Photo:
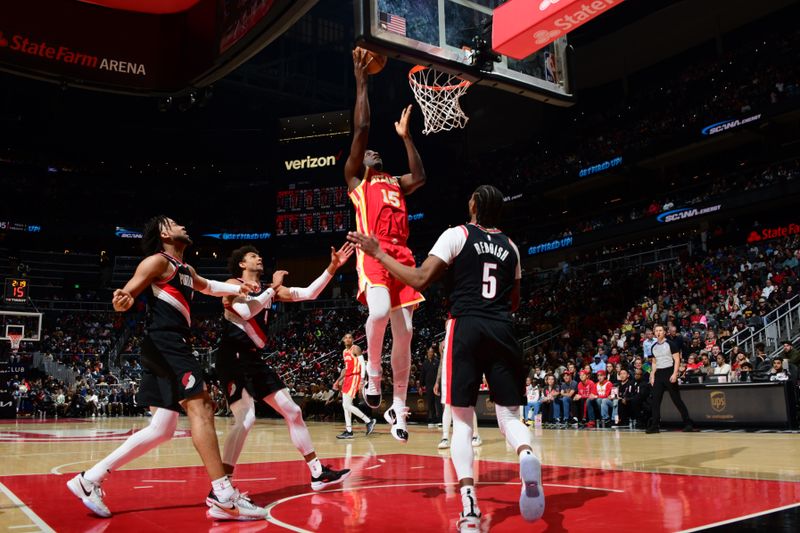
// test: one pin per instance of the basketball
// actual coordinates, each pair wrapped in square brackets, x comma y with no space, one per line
[376,62]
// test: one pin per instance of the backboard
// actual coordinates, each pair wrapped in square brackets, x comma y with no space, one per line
[27,323]
[441,34]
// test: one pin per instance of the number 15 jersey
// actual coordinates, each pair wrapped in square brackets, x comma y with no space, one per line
[484,263]
[381,207]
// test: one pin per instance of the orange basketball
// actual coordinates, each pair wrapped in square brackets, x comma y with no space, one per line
[376,62]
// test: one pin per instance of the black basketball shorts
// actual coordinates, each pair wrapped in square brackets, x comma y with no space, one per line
[170,373]
[240,367]
[475,347]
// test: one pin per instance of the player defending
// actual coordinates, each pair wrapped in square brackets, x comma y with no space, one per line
[349,383]
[484,265]
[172,377]
[245,376]
[380,206]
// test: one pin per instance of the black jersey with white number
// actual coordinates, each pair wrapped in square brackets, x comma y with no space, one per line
[482,275]
[169,300]
[248,332]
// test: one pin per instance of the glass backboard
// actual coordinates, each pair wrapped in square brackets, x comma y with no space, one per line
[441,34]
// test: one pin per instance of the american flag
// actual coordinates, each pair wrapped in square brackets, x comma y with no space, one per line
[393,23]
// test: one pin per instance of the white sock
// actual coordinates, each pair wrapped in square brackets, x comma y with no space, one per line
[461,450]
[222,488]
[469,500]
[282,402]
[475,425]
[379,304]
[315,467]
[515,432]
[447,420]
[160,429]
[402,332]
[244,414]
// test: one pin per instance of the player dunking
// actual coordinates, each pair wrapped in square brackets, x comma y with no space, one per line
[172,376]
[485,270]
[349,383]
[245,377]
[380,206]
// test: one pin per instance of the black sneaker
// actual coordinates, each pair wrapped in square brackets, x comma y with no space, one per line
[345,435]
[329,477]
[371,426]
[650,430]
[688,428]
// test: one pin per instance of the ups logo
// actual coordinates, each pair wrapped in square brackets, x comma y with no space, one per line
[718,402]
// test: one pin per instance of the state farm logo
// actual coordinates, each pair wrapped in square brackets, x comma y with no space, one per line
[312,162]
[544,36]
[547,3]
[64,54]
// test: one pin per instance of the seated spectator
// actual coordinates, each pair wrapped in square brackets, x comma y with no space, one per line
[550,400]
[532,395]
[629,407]
[586,400]
[744,374]
[777,372]
[604,396]
[722,367]
[567,389]
[598,365]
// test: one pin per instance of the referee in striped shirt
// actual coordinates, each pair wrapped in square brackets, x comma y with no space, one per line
[664,362]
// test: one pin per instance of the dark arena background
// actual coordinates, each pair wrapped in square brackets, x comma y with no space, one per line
[648,153]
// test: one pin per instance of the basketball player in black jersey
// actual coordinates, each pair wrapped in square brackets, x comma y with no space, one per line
[245,377]
[484,272]
[172,377]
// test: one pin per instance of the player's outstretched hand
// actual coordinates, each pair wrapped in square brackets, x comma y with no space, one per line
[367,244]
[277,278]
[340,256]
[121,300]
[249,286]
[401,126]
[360,61]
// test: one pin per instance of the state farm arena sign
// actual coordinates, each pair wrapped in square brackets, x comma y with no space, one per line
[765,234]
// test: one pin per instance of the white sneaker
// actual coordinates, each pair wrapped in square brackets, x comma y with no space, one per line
[397,418]
[90,493]
[444,444]
[531,500]
[238,507]
[372,390]
[476,441]
[468,523]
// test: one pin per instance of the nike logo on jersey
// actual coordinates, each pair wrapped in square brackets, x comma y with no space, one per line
[491,248]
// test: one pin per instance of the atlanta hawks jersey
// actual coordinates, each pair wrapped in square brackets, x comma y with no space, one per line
[250,331]
[168,301]
[352,363]
[483,266]
[380,207]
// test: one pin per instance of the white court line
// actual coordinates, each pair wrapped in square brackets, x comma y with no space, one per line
[416,467]
[163,481]
[372,467]
[740,518]
[577,487]
[26,526]
[236,479]
[56,469]
[144,487]
[290,527]
[41,524]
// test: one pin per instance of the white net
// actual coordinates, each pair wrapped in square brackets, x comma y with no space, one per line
[16,339]
[437,94]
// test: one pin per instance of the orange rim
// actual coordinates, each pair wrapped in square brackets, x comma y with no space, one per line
[420,68]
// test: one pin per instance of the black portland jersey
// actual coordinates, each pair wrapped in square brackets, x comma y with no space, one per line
[168,300]
[481,276]
[251,331]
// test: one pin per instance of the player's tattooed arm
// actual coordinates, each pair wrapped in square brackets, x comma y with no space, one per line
[148,271]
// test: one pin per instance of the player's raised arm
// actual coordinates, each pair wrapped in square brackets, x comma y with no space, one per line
[312,292]
[354,166]
[248,306]
[218,288]
[416,177]
[418,278]
[148,271]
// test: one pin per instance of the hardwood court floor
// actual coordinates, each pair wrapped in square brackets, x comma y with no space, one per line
[666,482]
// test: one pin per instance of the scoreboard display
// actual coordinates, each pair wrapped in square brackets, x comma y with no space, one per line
[312,211]
[16,291]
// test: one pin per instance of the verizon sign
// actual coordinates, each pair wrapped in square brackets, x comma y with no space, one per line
[312,162]
[521,27]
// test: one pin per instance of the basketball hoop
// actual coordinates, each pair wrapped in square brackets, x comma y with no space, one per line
[438,93]
[16,339]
